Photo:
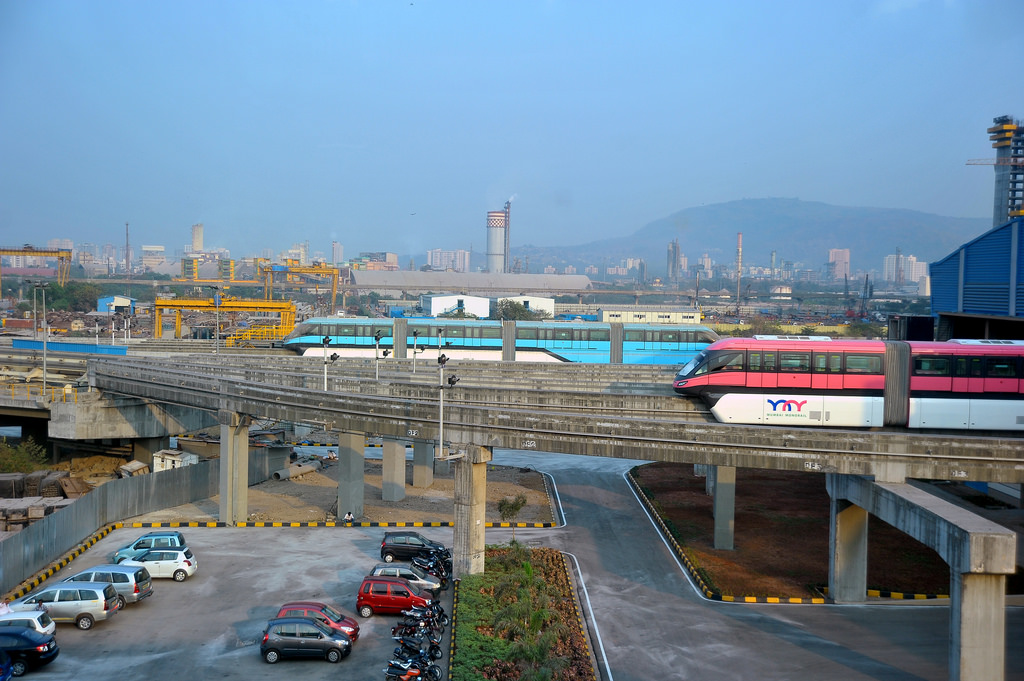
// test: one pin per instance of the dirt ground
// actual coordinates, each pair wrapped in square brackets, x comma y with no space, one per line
[313,498]
[781,535]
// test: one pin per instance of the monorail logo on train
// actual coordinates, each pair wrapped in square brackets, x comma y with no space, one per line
[786,405]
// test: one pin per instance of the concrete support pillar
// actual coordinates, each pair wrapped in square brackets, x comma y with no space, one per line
[422,464]
[848,552]
[144,448]
[709,480]
[725,506]
[351,474]
[441,466]
[470,504]
[393,470]
[977,627]
[234,466]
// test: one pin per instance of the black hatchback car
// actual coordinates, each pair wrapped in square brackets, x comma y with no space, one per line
[404,545]
[27,648]
[303,637]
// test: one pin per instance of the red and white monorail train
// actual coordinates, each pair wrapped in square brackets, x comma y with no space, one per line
[818,381]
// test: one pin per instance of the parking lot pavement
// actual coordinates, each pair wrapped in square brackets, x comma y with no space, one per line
[210,625]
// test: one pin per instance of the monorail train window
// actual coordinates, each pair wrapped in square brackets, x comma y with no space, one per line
[599,334]
[563,334]
[794,362]
[753,361]
[863,364]
[490,332]
[1001,367]
[726,361]
[455,331]
[820,362]
[927,365]
[706,336]
[526,334]
[968,367]
[669,337]
[637,336]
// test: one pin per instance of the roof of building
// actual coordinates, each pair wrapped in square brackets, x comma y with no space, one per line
[481,283]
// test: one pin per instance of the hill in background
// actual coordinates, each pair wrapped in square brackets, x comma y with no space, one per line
[801,232]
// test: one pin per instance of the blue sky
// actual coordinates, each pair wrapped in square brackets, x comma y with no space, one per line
[396,125]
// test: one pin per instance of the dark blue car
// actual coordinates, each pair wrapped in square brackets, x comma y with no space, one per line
[27,649]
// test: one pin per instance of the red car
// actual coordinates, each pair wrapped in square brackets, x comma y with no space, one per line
[387,595]
[324,614]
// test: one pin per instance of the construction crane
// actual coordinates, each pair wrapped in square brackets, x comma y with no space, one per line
[864,297]
[63,259]
[267,272]
[285,311]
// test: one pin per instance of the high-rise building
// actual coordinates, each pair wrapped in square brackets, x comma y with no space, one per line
[839,263]
[337,253]
[673,271]
[197,238]
[1007,138]
[456,261]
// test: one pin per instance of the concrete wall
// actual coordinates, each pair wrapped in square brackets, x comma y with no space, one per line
[27,552]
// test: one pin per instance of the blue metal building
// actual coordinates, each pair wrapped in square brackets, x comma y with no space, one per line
[978,289]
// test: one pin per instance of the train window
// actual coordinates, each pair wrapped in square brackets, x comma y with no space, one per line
[794,362]
[754,361]
[669,336]
[835,363]
[599,335]
[1001,367]
[455,331]
[770,363]
[927,365]
[863,364]
[563,334]
[490,332]
[706,336]
[820,363]
[526,334]
[637,336]
[726,361]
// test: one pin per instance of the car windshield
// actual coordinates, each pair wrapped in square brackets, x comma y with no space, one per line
[418,572]
[332,614]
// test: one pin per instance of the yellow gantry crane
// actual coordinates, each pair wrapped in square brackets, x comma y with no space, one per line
[267,272]
[285,310]
[63,259]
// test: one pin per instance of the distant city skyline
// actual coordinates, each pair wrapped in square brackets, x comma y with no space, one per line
[400,125]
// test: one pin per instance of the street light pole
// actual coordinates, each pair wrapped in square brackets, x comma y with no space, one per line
[46,331]
[110,321]
[35,315]
[452,380]
[216,307]
[326,342]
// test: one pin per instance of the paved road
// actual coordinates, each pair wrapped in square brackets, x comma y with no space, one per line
[652,624]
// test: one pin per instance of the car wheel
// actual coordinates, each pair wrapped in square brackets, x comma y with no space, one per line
[18,667]
[121,602]
[334,655]
[180,575]
[365,611]
[84,622]
[389,557]
[271,656]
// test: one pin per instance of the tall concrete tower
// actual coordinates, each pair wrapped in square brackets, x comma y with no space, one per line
[197,237]
[1007,138]
[497,258]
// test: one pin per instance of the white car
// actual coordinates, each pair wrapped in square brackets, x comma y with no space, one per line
[33,619]
[177,563]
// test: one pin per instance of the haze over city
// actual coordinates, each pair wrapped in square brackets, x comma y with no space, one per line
[397,125]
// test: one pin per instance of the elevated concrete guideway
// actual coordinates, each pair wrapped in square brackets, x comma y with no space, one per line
[602,411]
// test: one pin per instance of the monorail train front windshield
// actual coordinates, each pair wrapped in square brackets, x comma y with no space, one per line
[690,367]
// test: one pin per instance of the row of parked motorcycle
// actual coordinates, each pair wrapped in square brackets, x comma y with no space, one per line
[420,631]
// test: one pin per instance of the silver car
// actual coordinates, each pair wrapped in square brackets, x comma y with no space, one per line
[131,582]
[83,604]
[423,581]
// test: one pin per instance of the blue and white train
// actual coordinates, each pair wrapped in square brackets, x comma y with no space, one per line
[588,342]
